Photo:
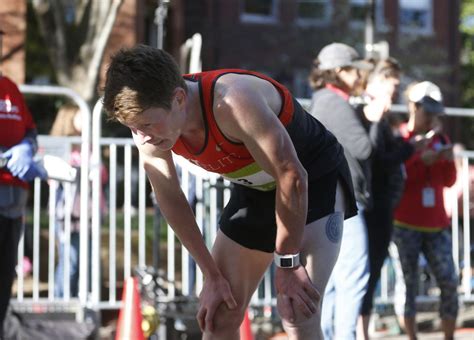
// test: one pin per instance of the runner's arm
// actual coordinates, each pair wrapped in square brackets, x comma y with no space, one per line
[244,114]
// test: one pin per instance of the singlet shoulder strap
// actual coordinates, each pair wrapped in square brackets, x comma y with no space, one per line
[208,82]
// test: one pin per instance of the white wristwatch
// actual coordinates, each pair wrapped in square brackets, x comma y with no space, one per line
[287,260]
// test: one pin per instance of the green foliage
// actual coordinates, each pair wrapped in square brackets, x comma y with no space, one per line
[38,64]
[467,64]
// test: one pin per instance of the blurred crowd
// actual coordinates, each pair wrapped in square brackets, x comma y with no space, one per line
[400,169]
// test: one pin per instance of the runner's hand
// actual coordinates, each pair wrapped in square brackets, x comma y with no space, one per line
[214,292]
[295,290]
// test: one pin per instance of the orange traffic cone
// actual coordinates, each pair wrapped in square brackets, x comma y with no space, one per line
[129,325]
[245,328]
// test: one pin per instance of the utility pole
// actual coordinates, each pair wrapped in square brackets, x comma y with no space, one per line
[161,13]
[369,28]
[379,50]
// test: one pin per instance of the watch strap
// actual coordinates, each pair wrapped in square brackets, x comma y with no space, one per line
[286,260]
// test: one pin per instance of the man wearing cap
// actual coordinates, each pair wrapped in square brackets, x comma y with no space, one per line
[334,77]
[421,223]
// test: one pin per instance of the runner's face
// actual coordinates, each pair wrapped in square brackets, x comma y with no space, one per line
[158,126]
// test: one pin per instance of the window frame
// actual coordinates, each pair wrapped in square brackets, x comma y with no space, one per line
[254,18]
[427,30]
[380,23]
[315,21]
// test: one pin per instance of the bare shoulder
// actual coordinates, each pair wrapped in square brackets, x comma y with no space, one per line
[244,102]
[240,93]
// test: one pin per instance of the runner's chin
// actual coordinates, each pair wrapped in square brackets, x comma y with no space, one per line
[164,145]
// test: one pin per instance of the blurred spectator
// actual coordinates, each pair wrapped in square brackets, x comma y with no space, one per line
[389,153]
[17,147]
[68,122]
[335,75]
[421,222]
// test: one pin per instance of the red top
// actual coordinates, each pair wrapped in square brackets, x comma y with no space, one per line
[220,155]
[15,120]
[338,91]
[411,211]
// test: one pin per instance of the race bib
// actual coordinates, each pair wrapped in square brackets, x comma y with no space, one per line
[428,197]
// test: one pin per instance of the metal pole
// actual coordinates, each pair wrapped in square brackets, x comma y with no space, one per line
[369,28]
[161,13]
[160,17]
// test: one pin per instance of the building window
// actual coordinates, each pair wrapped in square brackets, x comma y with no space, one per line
[416,16]
[259,11]
[301,88]
[313,12]
[358,12]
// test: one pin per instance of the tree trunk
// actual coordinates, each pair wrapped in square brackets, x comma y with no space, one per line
[76,34]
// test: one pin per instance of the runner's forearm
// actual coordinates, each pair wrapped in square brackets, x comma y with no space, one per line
[291,209]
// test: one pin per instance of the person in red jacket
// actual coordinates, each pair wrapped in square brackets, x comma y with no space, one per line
[17,147]
[421,222]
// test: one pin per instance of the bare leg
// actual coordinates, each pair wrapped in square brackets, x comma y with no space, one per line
[363,327]
[243,268]
[408,324]
[319,254]
[448,326]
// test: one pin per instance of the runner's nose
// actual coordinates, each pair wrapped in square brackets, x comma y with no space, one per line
[143,137]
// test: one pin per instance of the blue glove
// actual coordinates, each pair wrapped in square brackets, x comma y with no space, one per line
[20,161]
[35,170]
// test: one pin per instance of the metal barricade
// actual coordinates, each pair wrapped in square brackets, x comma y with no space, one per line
[108,267]
[207,213]
[37,302]
[202,184]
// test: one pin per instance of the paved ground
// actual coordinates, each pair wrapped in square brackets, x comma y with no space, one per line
[386,327]
[461,334]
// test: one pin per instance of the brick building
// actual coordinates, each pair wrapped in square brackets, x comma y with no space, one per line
[279,37]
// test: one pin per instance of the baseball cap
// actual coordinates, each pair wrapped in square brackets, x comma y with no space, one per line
[431,105]
[422,89]
[341,55]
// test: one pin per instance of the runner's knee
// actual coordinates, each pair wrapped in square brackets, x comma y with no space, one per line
[303,327]
[226,320]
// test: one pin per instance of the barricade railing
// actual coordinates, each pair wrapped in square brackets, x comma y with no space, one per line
[128,235]
[206,185]
[60,146]
[195,182]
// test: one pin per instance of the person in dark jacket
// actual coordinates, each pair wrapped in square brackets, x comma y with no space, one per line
[335,75]
[389,153]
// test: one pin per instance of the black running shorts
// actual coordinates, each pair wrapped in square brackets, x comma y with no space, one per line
[249,217]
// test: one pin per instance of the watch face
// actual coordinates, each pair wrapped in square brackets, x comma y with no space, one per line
[286,263]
